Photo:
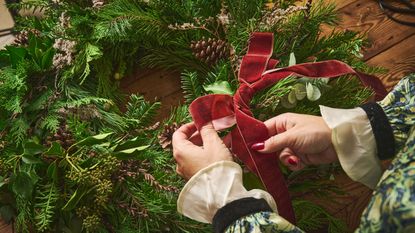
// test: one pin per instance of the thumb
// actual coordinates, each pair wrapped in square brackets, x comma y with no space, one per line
[278,142]
[209,135]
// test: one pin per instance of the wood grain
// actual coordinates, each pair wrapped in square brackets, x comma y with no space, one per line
[5,228]
[399,60]
[154,85]
[341,3]
[367,18]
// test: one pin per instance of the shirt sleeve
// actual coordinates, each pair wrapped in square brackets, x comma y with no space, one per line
[216,195]
[375,131]
[215,186]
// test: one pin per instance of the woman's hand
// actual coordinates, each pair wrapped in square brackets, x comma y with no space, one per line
[194,151]
[299,140]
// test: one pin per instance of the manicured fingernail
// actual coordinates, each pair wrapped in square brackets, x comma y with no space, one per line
[258,146]
[292,161]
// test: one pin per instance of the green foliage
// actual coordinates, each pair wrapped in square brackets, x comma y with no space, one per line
[102,169]
[191,86]
[312,217]
[45,206]
[141,113]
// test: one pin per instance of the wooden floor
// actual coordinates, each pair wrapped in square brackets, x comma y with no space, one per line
[392,47]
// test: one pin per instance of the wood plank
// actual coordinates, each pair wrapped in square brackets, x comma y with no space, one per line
[168,102]
[399,60]
[5,228]
[153,84]
[367,18]
[341,3]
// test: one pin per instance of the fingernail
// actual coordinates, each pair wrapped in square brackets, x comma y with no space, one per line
[292,161]
[258,146]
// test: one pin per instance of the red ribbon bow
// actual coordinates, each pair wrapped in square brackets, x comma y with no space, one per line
[257,73]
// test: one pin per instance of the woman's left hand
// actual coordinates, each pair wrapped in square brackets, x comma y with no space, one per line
[193,151]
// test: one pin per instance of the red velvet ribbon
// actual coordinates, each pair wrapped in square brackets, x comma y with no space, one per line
[257,73]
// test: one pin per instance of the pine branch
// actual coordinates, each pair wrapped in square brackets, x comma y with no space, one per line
[191,86]
[141,113]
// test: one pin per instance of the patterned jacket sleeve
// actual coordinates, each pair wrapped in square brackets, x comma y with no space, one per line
[399,107]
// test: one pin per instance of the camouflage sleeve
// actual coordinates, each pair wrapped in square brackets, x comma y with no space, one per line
[392,206]
[268,222]
[399,107]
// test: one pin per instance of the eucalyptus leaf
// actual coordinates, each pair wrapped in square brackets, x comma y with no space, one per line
[286,104]
[293,60]
[219,87]
[300,91]
[313,93]
[292,99]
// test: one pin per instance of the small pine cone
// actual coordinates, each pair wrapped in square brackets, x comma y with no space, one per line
[211,50]
[165,137]
[22,37]
[62,137]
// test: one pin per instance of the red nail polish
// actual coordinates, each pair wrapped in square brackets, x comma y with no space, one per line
[258,146]
[292,161]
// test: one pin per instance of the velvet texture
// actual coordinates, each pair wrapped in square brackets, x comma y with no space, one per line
[257,73]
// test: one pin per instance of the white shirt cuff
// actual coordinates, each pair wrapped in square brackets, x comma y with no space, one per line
[355,144]
[212,188]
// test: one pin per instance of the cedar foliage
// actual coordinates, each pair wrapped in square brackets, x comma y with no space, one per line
[115,177]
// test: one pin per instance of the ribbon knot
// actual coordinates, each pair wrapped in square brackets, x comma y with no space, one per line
[256,73]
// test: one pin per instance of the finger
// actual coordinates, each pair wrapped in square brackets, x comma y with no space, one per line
[178,171]
[185,131]
[196,139]
[278,142]
[279,123]
[292,161]
[209,135]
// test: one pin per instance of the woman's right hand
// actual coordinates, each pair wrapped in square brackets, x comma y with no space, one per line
[299,140]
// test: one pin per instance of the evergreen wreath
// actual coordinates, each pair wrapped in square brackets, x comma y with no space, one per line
[72,161]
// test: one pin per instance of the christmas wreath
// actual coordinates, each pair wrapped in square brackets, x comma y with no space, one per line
[72,161]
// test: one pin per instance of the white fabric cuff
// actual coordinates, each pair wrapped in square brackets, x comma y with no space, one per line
[212,188]
[355,144]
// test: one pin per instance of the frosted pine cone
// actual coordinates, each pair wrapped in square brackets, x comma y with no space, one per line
[211,50]
[64,56]
[22,37]
[98,3]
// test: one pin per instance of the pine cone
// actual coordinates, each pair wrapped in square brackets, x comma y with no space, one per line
[22,37]
[166,136]
[211,50]
[62,136]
